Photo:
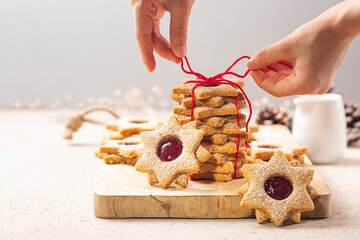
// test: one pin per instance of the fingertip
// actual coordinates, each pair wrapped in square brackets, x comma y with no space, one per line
[251,65]
[151,68]
[180,51]
[150,65]
[177,61]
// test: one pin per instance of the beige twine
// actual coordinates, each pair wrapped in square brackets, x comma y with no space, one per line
[76,119]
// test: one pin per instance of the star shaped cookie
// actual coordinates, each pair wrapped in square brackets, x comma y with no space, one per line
[206,91]
[169,153]
[129,126]
[276,190]
[264,151]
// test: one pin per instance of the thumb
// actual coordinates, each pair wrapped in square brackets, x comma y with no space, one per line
[274,53]
[179,26]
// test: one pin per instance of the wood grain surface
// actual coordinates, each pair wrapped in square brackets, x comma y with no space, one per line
[122,192]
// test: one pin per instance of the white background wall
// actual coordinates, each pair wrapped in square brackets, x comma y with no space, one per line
[87,47]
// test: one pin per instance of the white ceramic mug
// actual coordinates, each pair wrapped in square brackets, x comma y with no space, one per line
[319,124]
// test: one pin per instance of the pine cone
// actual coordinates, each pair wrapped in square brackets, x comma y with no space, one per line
[271,114]
[352,112]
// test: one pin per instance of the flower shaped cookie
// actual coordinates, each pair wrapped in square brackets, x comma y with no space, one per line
[169,153]
[276,190]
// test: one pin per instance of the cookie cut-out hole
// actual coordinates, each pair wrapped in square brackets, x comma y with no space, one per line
[278,187]
[128,143]
[138,121]
[169,149]
[268,146]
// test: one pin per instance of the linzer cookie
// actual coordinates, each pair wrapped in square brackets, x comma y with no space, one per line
[227,167]
[227,128]
[246,158]
[205,112]
[233,118]
[125,147]
[264,151]
[222,177]
[213,121]
[169,153]
[204,92]
[202,154]
[218,158]
[243,152]
[221,158]
[243,135]
[310,189]
[117,159]
[229,147]
[181,179]
[293,162]
[239,167]
[119,151]
[220,138]
[114,135]
[216,139]
[128,126]
[300,159]
[277,191]
[186,100]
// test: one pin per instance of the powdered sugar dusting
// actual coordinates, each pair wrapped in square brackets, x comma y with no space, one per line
[166,172]
[277,210]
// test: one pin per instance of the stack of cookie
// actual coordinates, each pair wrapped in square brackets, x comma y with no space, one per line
[122,138]
[215,112]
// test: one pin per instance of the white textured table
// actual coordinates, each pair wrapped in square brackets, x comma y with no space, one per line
[46,192]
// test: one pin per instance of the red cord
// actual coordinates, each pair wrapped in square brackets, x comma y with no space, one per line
[218,79]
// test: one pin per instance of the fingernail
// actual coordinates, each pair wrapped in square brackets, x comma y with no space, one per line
[181,51]
[250,64]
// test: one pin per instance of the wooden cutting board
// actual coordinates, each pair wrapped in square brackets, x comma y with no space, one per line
[122,192]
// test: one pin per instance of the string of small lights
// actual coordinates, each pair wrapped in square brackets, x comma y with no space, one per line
[134,99]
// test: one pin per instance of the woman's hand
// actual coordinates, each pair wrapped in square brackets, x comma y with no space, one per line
[147,15]
[306,61]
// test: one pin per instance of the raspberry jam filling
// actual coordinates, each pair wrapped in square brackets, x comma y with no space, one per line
[278,187]
[128,143]
[169,149]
